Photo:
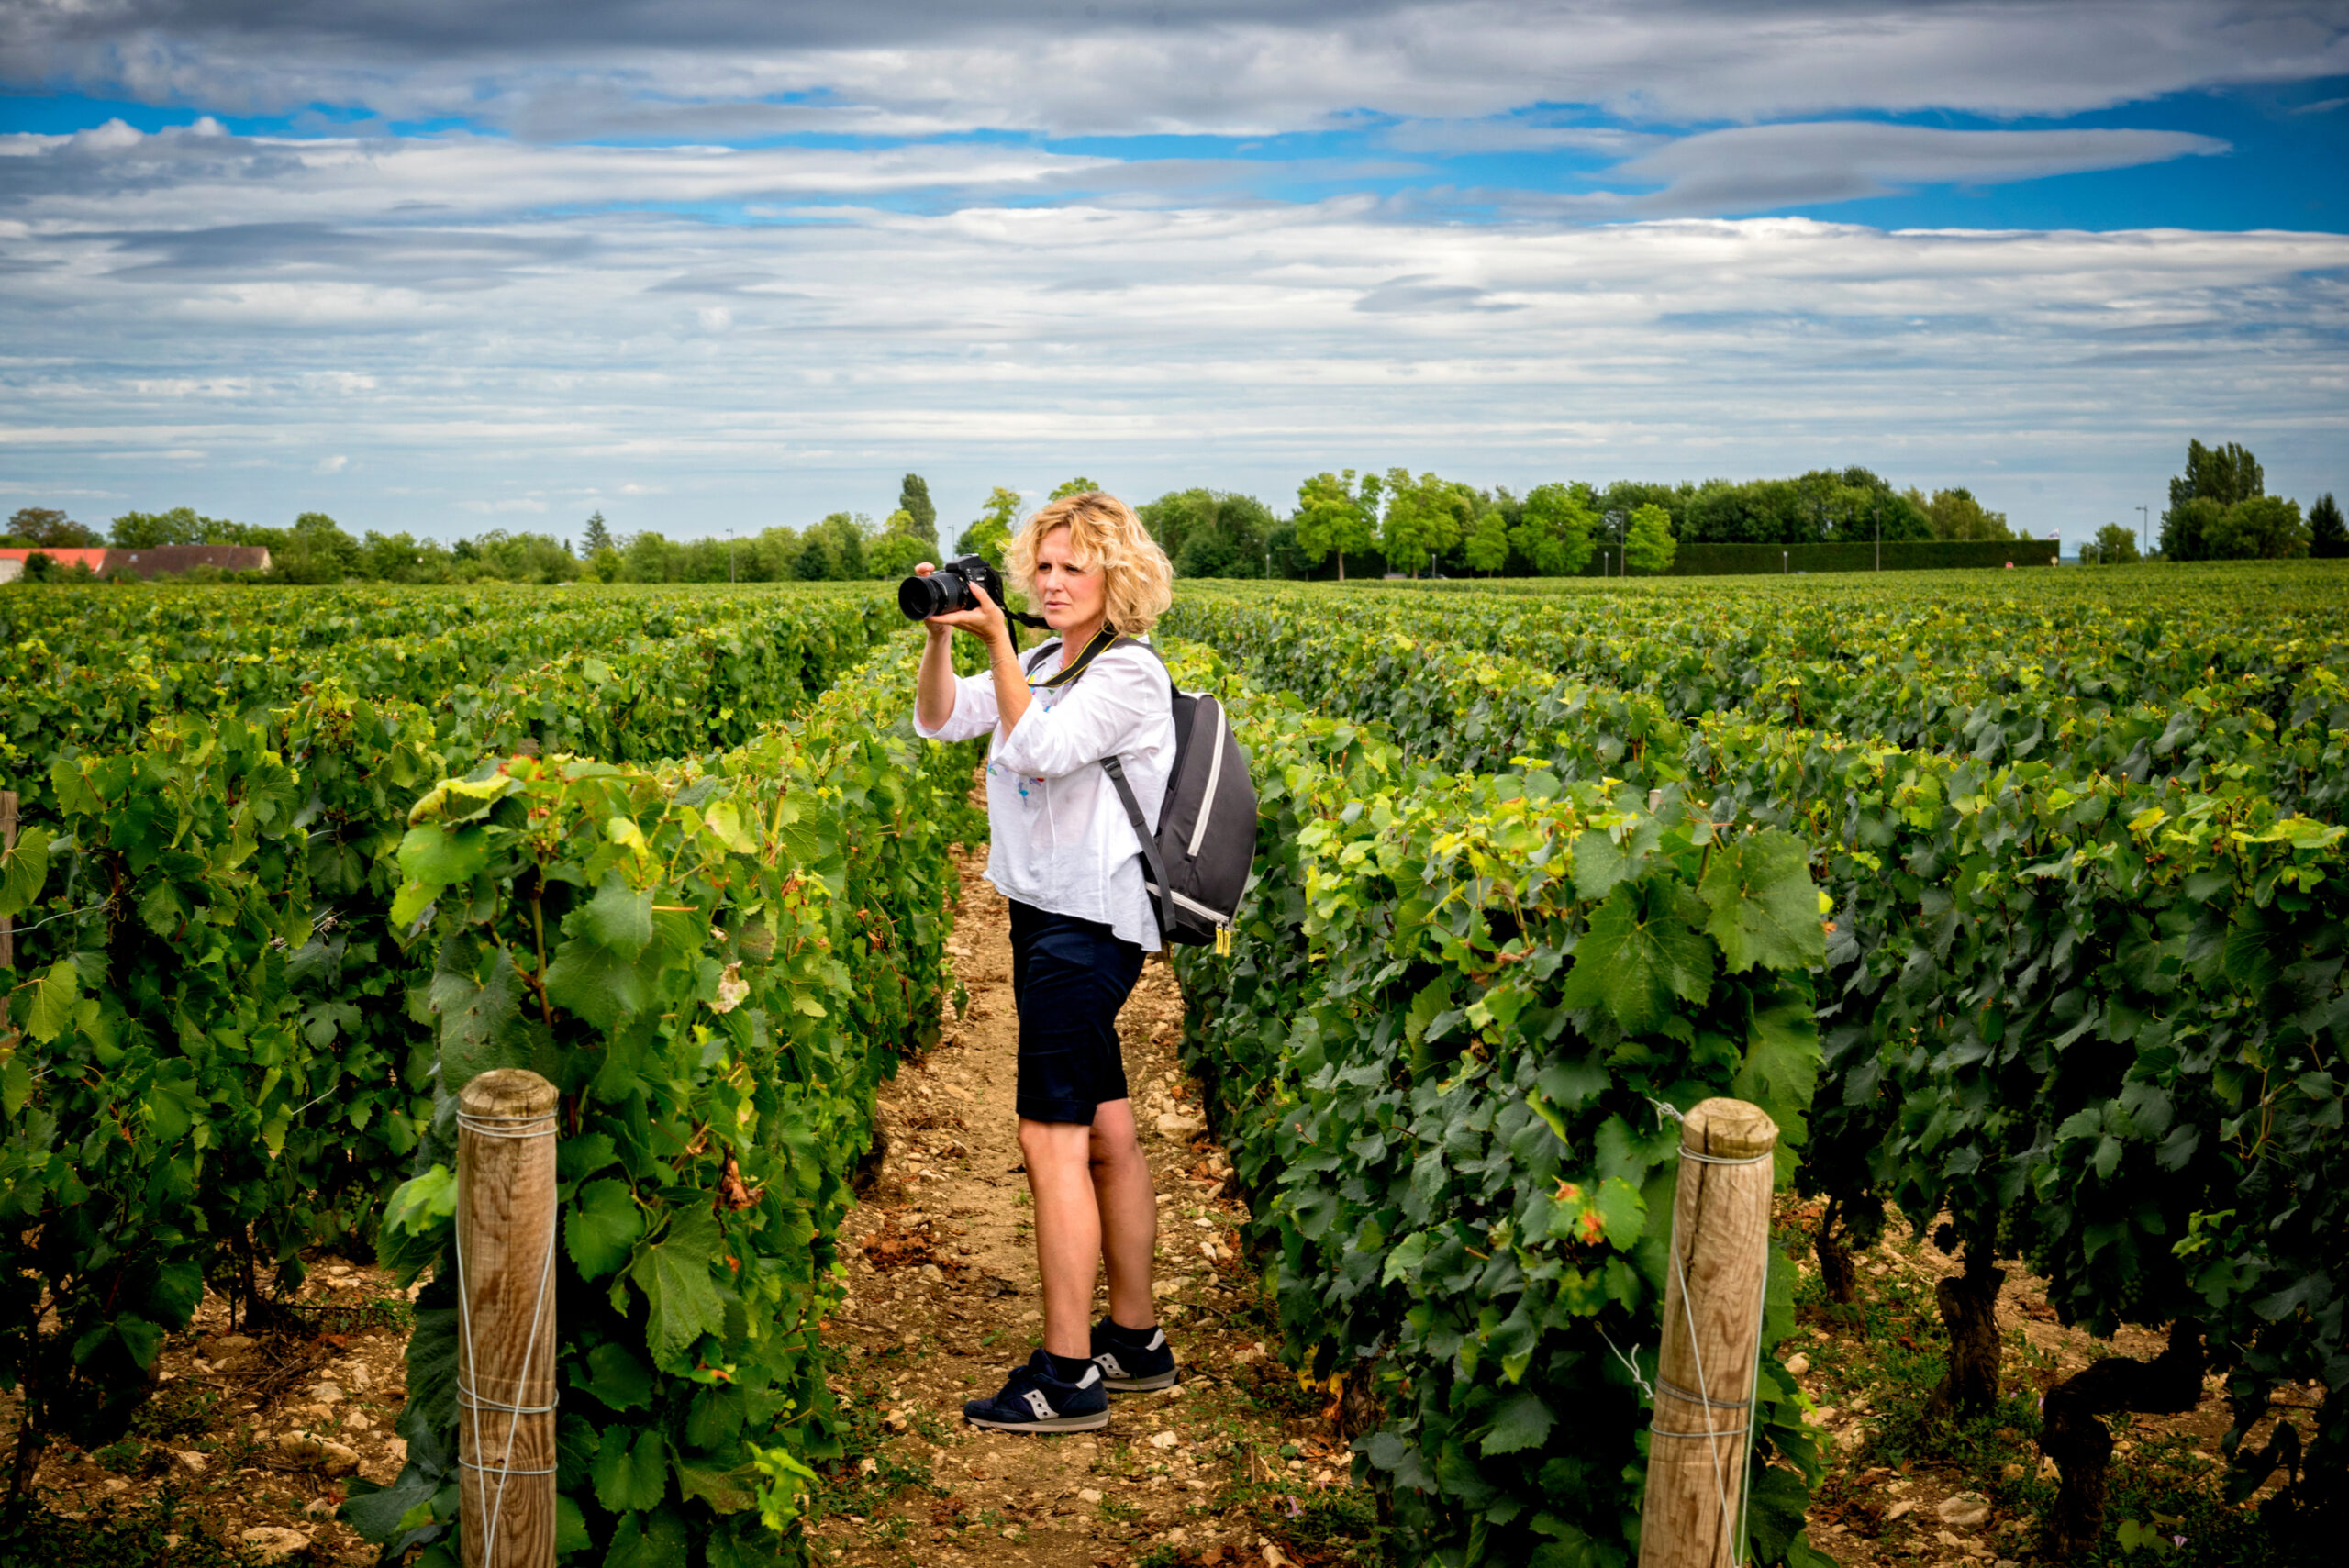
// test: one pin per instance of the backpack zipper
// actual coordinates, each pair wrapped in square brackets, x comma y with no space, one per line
[1215,773]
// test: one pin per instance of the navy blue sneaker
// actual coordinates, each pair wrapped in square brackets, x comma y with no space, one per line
[1132,1369]
[1036,1401]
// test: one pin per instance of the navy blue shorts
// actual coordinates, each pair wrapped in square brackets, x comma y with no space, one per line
[1069,977]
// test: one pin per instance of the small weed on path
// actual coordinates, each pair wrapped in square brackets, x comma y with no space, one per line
[1233,1466]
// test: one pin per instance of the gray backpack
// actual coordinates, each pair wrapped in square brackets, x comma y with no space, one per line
[1197,864]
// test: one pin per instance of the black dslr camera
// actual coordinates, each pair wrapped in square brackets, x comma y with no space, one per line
[949,588]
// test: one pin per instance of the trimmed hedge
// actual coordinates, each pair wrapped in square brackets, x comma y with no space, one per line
[1699,560]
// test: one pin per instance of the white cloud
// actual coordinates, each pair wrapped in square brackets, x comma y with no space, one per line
[500,320]
[1512,135]
[722,68]
[1752,167]
[334,464]
[1241,346]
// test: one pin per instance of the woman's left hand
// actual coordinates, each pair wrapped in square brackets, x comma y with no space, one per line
[986,622]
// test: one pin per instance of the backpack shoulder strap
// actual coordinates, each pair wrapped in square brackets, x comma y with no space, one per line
[1151,860]
[1150,856]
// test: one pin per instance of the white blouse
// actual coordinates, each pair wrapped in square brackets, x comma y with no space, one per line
[1061,839]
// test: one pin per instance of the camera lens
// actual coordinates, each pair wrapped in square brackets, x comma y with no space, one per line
[920,598]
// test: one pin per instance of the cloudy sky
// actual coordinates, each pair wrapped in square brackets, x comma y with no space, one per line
[445,265]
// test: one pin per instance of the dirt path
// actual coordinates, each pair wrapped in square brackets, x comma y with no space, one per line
[1232,1465]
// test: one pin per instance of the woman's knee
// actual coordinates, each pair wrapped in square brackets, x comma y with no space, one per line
[1043,1142]
[1114,1149]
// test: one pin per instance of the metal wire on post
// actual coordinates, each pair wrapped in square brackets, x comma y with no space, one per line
[1713,1332]
[505,1242]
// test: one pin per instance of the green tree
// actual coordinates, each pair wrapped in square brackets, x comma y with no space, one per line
[645,559]
[1211,533]
[1627,495]
[2258,527]
[315,550]
[1079,487]
[991,534]
[1954,514]
[1487,547]
[402,557]
[2187,527]
[2327,540]
[1555,528]
[833,550]
[913,500]
[2225,474]
[47,527]
[1333,515]
[2115,546]
[1823,505]
[1648,544]
[1425,517]
[181,525]
[598,535]
[895,554]
[528,558]
[2216,478]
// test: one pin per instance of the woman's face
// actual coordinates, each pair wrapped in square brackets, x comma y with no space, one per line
[1070,594]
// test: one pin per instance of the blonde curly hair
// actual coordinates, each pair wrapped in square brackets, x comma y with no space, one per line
[1137,582]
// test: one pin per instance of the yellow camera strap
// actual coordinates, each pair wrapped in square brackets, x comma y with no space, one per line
[1103,640]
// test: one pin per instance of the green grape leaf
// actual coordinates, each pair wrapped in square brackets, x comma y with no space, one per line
[725,1491]
[1599,864]
[615,1375]
[23,872]
[1766,909]
[659,1540]
[1640,952]
[584,1155]
[482,1025]
[423,1203]
[1622,1212]
[601,1230]
[590,980]
[630,1477]
[54,996]
[674,1273]
[569,1527]
[440,857]
[617,917]
[1522,1421]
[1780,1072]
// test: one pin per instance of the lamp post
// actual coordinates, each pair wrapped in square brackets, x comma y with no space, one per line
[1615,519]
[1879,536]
[730,558]
[1786,565]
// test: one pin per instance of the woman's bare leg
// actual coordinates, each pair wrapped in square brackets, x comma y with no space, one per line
[1068,1229]
[1128,1208]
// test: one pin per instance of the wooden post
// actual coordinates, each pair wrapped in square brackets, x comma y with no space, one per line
[505,1339]
[7,843]
[1704,1387]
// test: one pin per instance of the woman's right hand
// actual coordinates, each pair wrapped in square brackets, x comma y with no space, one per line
[936,633]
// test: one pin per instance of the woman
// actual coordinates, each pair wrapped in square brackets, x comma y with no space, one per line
[1064,853]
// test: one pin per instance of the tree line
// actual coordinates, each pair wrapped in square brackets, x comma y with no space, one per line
[1349,523]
